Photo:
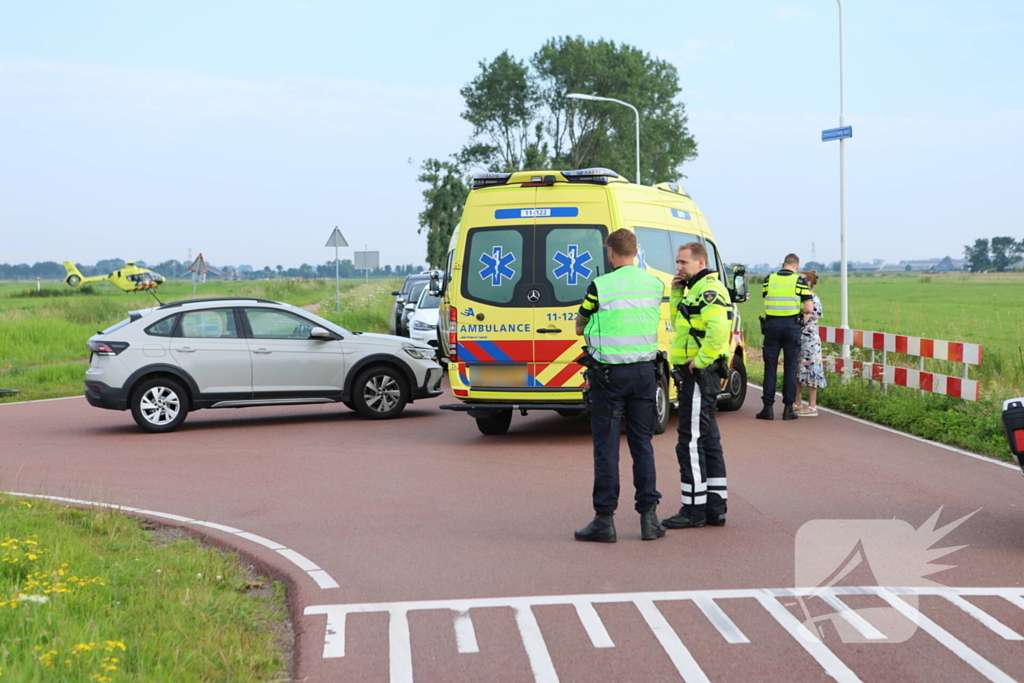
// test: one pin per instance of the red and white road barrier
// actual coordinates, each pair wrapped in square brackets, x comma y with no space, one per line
[956,387]
[958,352]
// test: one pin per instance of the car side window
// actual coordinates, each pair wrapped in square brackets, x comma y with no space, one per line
[163,328]
[269,324]
[213,324]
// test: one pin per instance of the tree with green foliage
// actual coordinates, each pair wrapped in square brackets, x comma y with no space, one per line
[443,200]
[1004,250]
[501,103]
[588,133]
[978,257]
[523,120]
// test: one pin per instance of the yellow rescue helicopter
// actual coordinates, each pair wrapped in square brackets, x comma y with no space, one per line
[130,277]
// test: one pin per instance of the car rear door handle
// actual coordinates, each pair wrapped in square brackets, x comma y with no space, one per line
[261,350]
[187,349]
[549,330]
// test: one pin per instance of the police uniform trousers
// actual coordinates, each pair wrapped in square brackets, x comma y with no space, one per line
[781,333]
[699,449]
[629,395]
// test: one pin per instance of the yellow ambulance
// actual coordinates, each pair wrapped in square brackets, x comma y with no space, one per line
[518,267]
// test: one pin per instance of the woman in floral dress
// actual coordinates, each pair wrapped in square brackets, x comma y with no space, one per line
[811,373]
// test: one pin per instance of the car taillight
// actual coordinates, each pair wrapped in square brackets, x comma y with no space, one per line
[111,348]
[453,320]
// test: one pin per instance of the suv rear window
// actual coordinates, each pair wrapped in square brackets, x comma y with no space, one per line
[163,328]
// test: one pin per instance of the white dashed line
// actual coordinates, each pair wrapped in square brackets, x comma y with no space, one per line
[319,576]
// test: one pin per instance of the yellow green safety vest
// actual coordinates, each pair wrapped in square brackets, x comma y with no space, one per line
[624,329]
[782,293]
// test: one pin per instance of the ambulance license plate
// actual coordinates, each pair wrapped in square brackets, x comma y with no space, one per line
[497,375]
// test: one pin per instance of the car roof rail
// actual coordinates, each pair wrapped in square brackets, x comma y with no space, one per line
[217,298]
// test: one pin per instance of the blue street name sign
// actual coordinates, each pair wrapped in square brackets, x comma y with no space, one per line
[836,133]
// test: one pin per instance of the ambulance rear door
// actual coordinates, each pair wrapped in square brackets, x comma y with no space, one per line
[572,224]
[495,320]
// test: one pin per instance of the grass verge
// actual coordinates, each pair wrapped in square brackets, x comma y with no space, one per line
[95,595]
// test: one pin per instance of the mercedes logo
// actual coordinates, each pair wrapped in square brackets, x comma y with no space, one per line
[533,296]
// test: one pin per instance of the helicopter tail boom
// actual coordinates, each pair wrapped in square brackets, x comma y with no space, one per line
[75,278]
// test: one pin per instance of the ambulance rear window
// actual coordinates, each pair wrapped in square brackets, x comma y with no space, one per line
[494,264]
[574,256]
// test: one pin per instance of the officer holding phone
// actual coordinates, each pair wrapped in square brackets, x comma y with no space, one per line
[701,312]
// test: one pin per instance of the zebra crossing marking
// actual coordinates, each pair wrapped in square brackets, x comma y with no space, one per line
[708,601]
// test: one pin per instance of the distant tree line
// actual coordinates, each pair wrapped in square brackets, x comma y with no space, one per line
[998,254]
[51,270]
[522,120]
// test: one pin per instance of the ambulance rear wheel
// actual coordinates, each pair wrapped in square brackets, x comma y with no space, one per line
[496,423]
[661,404]
[737,386]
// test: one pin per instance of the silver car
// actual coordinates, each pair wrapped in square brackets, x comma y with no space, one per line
[163,362]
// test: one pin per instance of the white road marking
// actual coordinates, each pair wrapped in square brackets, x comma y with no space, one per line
[533,641]
[720,620]
[686,665]
[465,634]
[954,449]
[976,661]
[41,400]
[707,600]
[319,576]
[998,627]
[591,621]
[832,665]
[851,616]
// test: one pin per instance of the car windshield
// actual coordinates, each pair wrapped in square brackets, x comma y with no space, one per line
[417,289]
[428,300]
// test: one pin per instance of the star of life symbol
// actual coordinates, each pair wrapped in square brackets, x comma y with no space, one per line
[641,258]
[571,264]
[876,554]
[497,266]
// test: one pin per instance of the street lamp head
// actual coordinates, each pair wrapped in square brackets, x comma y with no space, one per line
[581,96]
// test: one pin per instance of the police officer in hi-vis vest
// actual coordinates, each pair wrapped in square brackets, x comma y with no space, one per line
[701,315]
[619,318]
[786,299]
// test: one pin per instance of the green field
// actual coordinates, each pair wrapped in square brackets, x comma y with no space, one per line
[979,309]
[43,334]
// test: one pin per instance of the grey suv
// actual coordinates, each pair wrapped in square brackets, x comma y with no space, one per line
[231,353]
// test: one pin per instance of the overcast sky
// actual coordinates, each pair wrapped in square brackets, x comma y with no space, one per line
[141,129]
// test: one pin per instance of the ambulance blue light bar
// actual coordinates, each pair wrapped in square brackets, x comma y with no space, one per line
[590,175]
[486,179]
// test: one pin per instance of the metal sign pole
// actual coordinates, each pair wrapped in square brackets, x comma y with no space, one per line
[337,282]
[843,277]
[366,248]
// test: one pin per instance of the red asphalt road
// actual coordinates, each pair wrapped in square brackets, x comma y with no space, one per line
[424,508]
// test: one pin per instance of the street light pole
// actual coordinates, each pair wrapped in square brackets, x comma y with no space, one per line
[580,96]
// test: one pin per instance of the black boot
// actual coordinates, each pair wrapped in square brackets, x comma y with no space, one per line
[767,413]
[601,530]
[685,521]
[788,413]
[650,527]
[716,520]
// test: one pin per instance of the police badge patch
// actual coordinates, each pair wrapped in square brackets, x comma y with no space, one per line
[710,296]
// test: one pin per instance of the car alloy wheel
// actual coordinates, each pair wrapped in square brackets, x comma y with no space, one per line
[382,393]
[379,393]
[160,406]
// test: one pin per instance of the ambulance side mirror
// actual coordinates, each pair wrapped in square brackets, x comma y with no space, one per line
[1013,424]
[739,284]
[436,286]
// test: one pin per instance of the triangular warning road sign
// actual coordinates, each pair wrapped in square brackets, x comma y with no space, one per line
[336,239]
[199,266]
